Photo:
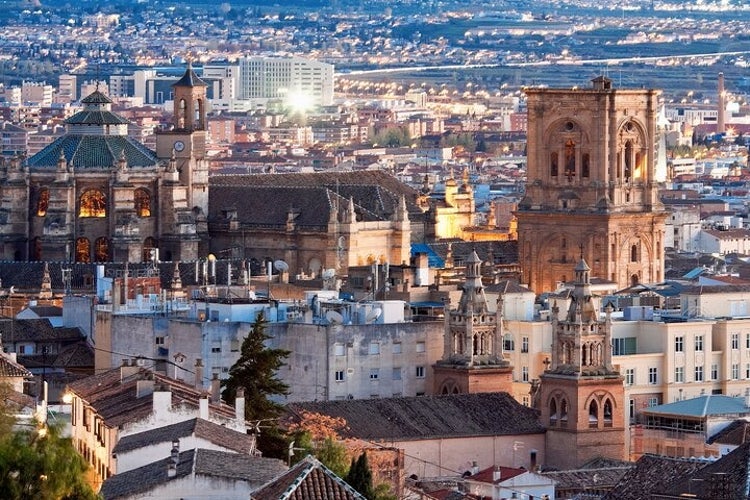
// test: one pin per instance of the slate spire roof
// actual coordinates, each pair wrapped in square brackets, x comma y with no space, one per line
[190,79]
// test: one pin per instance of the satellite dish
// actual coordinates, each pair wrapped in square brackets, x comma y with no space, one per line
[280,266]
[328,274]
[334,318]
[374,314]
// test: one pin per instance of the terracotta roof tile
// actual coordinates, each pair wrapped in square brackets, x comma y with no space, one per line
[308,479]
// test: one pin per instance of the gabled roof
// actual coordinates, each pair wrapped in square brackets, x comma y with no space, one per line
[429,417]
[216,434]
[231,466]
[308,479]
[37,330]
[736,433]
[9,368]
[488,475]
[702,406]
[649,474]
[728,475]
[114,396]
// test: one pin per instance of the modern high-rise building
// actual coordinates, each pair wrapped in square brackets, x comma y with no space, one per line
[591,190]
[300,82]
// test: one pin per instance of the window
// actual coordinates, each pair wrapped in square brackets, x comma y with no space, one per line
[420,346]
[653,375]
[43,202]
[508,343]
[631,409]
[653,402]
[374,347]
[159,340]
[397,373]
[397,348]
[747,341]
[714,371]
[339,375]
[621,347]
[142,203]
[420,372]
[374,373]
[679,374]
[699,374]
[630,376]
[747,371]
[699,343]
[525,344]
[525,373]
[735,341]
[679,344]
[101,250]
[338,349]
[735,371]
[93,203]
[216,349]
[83,250]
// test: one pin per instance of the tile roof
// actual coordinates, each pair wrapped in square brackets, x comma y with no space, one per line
[727,477]
[736,433]
[588,478]
[507,286]
[702,406]
[47,311]
[648,475]
[9,368]
[93,152]
[308,479]
[96,97]
[216,434]
[232,466]
[37,330]
[488,475]
[96,117]
[189,79]
[115,399]
[429,417]
[501,252]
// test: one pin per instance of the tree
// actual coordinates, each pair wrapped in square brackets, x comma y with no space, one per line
[42,465]
[360,476]
[255,372]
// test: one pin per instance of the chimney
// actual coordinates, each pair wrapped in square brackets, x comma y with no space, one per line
[720,126]
[199,374]
[174,459]
[532,460]
[203,407]
[474,468]
[128,369]
[144,388]
[496,474]
[239,408]
[162,400]
[215,388]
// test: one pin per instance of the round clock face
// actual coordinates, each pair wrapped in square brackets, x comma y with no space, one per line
[179,146]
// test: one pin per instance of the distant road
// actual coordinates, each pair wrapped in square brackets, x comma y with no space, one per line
[572,62]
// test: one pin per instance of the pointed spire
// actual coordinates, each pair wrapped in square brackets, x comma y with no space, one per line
[46,289]
[176,281]
[352,215]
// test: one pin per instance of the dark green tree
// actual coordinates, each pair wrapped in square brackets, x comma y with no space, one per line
[255,372]
[360,476]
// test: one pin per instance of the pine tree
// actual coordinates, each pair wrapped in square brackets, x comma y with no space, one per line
[255,372]
[360,476]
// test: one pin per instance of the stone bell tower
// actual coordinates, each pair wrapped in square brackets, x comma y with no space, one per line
[581,394]
[473,355]
[591,183]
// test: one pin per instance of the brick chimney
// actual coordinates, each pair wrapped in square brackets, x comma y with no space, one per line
[199,374]
[215,388]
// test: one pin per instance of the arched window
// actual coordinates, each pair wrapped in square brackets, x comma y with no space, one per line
[83,250]
[142,202]
[553,412]
[585,165]
[570,158]
[634,257]
[148,245]
[564,412]
[593,414]
[608,413]
[101,250]
[181,114]
[43,202]
[198,114]
[93,203]
[553,164]
[628,159]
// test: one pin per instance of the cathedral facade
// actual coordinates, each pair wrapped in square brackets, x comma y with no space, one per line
[591,186]
[97,195]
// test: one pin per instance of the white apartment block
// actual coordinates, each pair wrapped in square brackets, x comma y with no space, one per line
[683,228]
[67,88]
[299,81]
